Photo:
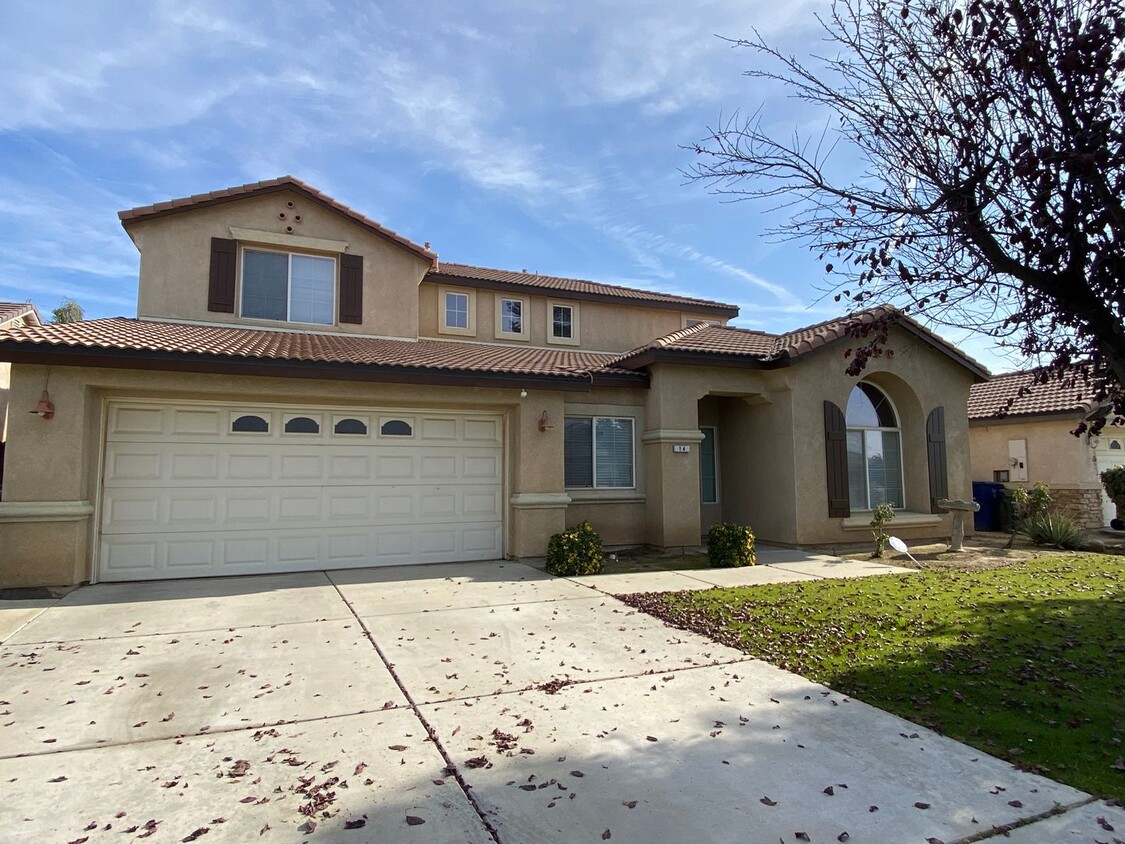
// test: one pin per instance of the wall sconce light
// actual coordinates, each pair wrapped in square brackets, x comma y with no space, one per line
[44,409]
[523,394]
[544,421]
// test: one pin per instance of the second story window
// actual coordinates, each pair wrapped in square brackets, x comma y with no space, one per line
[456,311]
[511,318]
[562,323]
[288,287]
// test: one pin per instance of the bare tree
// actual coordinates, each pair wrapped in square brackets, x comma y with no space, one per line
[988,194]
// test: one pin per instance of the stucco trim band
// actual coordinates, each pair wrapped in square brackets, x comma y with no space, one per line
[539,500]
[902,519]
[672,435]
[45,511]
[318,244]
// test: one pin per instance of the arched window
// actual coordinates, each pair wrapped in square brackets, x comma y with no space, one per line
[250,425]
[874,450]
[302,425]
[396,428]
[350,426]
[1115,445]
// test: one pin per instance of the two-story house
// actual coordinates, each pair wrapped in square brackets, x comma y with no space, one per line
[303,389]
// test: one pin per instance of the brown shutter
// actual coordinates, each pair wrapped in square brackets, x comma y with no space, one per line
[935,457]
[351,288]
[836,461]
[220,292]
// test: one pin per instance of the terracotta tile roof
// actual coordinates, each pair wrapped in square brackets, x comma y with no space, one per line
[215,197]
[724,342]
[138,338]
[14,310]
[714,339]
[1001,397]
[484,276]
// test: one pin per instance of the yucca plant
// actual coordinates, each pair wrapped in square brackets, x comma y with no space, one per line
[1055,529]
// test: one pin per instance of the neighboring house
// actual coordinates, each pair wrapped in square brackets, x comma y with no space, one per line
[305,389]
[12,315]
[1019,434]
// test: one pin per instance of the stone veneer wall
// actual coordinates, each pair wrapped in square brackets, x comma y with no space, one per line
[1082,505]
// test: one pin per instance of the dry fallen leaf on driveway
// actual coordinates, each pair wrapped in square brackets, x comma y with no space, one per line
[414,820]
[766,801]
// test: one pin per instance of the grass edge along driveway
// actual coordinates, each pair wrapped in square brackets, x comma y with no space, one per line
[1025,662]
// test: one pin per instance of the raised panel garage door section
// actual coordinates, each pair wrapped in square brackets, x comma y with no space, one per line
[201,490]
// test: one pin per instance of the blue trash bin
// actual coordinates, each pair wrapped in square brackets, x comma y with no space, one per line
[990,496]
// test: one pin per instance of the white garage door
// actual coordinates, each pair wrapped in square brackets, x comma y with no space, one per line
[199,490]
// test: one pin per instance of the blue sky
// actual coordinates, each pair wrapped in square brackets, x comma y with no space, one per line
[545,136]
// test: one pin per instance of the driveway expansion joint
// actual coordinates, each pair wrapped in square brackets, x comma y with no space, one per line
[137,634]
[450,765]
[1003,831]
[218,731]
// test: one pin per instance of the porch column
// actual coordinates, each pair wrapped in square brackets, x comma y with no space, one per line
[672,469]
[538,499]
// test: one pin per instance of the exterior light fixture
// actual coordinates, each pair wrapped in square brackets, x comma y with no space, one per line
[44,409]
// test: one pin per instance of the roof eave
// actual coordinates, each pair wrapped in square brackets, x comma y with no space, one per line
[40,354]
[440,277]
[688,357]
[129,218]
[980,374]
[1029,416]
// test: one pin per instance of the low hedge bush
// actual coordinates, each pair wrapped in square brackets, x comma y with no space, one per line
[730,545]
[575,551]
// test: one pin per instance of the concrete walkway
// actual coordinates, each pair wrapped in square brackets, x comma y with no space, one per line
[464,703]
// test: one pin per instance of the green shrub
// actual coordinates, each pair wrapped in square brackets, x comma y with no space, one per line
[880,518]
[1030,503]
[730,545]
[575,551]
[1028,506]
[1114,482]
[1057,529]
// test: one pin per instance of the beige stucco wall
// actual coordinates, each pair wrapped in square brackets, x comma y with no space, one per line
[771,443]
[57,460]
[1054,456]
[619,514]
[917,378]
[1067,464]
[770,439]
[176,255]
[602,326]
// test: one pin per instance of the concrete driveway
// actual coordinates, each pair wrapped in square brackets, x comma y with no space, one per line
[464,703]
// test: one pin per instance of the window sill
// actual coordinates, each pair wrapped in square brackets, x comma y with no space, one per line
[563,341]
[902,519]
[459,332]
[605,496]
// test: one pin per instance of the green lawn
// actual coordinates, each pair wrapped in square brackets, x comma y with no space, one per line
[1025,662]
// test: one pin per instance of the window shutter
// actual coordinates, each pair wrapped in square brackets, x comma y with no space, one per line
[935,457]
[220,291]
[836,461]
[351,288]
